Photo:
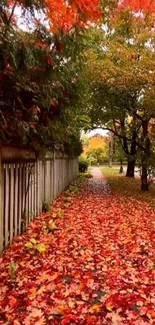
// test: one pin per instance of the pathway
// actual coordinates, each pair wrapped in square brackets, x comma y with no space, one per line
[99,266]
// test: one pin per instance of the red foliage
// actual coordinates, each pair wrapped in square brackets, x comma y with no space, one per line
[65,14]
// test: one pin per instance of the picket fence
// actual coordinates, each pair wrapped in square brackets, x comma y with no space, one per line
[25,183]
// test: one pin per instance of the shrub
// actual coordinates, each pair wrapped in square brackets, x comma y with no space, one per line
[83,166]
[92,161]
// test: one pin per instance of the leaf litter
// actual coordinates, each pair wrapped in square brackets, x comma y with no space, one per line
[96,266]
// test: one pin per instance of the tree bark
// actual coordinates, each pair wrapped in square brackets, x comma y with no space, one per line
[121,167]
[146,155]
[144,181]
[131,168]
[110,156]
[110,149]
[132,161]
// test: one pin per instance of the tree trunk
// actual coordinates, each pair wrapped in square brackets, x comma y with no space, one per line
[110,149]
[121,167]
[146,155]
[132,161]
[110,162]
[144,181]
[131,168]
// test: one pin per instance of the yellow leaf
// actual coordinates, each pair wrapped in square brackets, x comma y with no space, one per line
[33,241]
[22,263]
[109,306]
[95,308]
[41,248]
[52,225]
[71,304]
[29,245]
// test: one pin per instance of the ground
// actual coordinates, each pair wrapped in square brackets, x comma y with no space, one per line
[89,261]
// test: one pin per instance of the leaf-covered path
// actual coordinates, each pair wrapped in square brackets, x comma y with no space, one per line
[98,267]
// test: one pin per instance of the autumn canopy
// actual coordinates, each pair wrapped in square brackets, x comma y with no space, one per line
[138,5]
[65,14]
[43,55]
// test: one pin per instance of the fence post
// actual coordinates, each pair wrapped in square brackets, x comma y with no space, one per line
[1,203]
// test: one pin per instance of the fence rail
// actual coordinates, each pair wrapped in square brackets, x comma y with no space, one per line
[25,185]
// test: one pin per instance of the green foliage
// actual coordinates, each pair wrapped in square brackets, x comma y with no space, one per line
[73,189]
[120,73]
[85,140]
[46,205]
[82,158]
[118,151]
[110,171]
[44,73]
[74,146]
[83,164]
[13,269]
[88,175]
[92,160]
[98,154]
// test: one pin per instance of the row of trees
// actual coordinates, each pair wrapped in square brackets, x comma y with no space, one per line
[120,72]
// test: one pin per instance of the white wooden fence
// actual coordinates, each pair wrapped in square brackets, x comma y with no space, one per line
[24,186]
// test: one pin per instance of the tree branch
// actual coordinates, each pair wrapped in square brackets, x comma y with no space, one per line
[9,19]
[111,130]
[138,116]
[12,12]
[119,136]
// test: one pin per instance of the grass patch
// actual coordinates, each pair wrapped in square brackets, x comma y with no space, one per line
[128,187]
[110,171]
[75,185]
[83,176]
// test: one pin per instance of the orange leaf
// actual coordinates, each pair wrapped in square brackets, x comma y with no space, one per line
[12,301]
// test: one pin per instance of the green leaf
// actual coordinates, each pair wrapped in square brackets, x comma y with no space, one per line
[13,267]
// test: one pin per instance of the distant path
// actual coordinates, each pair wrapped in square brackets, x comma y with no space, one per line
[99,267]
